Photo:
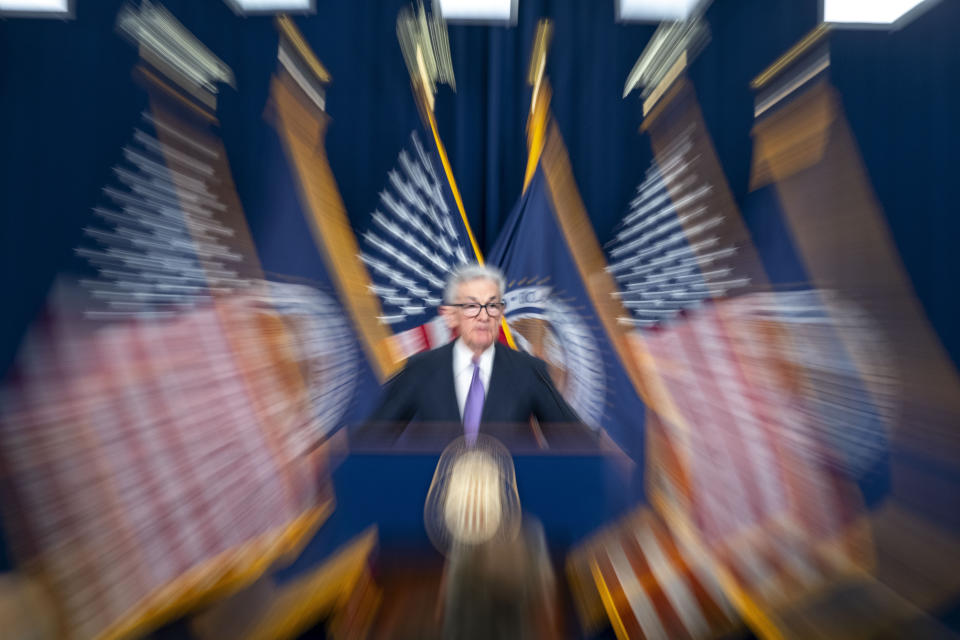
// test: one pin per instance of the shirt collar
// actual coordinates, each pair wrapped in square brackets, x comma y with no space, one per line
[463,356]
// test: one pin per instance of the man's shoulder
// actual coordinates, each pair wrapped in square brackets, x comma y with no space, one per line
[430,358]
[421,363]
[519,358]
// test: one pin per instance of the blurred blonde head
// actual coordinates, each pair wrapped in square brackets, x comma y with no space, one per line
[473,496]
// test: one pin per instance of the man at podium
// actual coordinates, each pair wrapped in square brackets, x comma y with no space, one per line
[473,383]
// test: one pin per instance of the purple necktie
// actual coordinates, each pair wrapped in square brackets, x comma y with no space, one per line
[474,405]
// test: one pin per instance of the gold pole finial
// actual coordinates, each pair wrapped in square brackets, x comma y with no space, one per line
[289,30]
[539,100]
[808,42]
[538,58]
[426,51]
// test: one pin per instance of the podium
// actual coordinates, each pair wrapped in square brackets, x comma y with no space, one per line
[568,476]
[572,481]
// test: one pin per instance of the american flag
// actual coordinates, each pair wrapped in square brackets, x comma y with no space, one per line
[650,586]
[152,461]
[735,462]
[166,235]
[667,254]
[416,237]
[846,387]
[743,389]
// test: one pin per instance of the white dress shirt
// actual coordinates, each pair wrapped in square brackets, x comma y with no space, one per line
[463,371]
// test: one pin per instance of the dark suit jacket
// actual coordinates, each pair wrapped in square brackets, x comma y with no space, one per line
[424,391]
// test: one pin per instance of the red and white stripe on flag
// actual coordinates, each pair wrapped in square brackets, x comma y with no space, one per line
[733,465]
[650,587]
[151,460]
[423,338]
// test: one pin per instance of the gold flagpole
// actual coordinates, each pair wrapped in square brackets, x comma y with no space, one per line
[539,100]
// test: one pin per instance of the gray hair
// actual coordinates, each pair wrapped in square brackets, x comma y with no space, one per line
[468,272]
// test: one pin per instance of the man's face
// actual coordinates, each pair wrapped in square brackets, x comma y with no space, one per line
[480,332]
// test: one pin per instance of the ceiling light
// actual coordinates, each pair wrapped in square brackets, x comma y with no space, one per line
[872,12]
[37,8]
[496,11]
[654,10]
[245,7]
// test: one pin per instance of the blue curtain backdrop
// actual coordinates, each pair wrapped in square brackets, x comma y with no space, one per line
[68,105]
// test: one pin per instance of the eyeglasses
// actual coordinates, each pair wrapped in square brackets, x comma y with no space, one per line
[472,309]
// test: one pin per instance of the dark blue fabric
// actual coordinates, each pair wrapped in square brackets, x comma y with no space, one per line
[284,240]
[771,236]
